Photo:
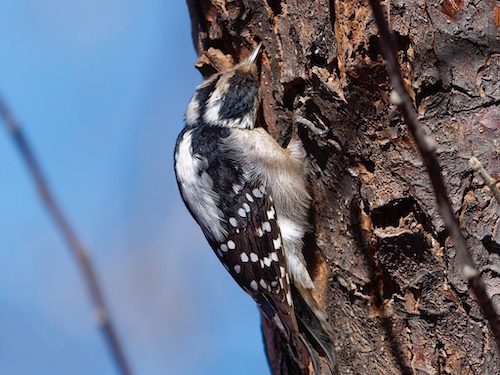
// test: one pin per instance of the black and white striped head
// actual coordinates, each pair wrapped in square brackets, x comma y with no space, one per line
[228,99]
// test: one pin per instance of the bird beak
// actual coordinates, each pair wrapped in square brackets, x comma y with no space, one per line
[253,56]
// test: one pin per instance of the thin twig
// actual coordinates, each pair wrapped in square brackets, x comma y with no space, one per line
[476,165]
[101,312]
[427,149]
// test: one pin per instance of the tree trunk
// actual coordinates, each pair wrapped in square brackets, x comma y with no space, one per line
[383,263]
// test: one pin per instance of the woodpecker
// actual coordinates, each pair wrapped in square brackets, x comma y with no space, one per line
[250,197]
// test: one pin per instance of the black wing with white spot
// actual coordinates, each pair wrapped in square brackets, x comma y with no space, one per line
[253,255]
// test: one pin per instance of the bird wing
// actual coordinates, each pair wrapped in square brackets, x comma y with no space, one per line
[253,254]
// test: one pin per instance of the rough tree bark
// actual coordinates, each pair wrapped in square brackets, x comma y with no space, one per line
[383,265]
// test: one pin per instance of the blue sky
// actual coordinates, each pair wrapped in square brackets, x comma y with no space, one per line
[100,88]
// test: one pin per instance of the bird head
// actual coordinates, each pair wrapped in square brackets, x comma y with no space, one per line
[229,98]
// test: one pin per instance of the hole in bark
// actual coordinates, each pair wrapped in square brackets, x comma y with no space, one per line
[402,251]
[403,41]
[441,237]
[374,47]
[491,245]
[411,245]
[427,90]
[316,58]
[392,212]
[389,285]
[333,66]
[292,89]
[429,318]
[389,214]
[275,6]
[223,45]
[395,122]
[417,293]
[369,165]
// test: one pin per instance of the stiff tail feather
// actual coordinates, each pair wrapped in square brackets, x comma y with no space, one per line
[287,356]
[314,326]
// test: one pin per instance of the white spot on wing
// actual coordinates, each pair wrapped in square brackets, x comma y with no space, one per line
[277,243]
[249,197]
[282,271]
[242,212]
[246,207]
[244,257]
[266,226]
[257,193]
[268,261]
[271,214]
[263,283]
[254,285]
[233,222]
[274,256]
[254,257]
[223,247]
[231,244]
[237,268]
[260,233]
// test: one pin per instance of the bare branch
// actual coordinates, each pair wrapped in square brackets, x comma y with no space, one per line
[427,148]
[476,165]
[100,311]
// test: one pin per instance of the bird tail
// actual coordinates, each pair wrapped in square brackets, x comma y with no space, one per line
[314,327]
[293,346]
[290,355]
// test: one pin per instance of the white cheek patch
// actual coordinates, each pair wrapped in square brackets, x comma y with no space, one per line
[212,110]
[197,190]
[212,115]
